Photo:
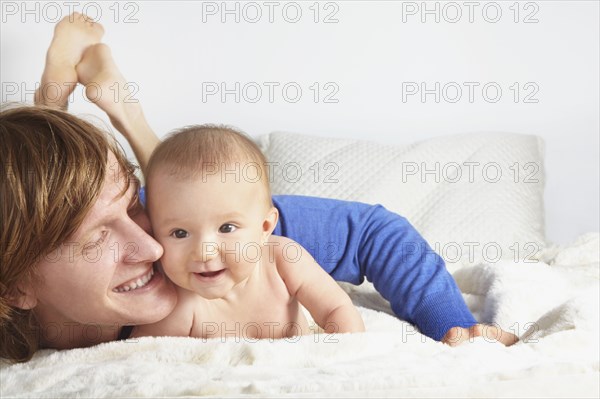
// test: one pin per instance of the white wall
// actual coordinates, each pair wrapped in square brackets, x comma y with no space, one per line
[174,49]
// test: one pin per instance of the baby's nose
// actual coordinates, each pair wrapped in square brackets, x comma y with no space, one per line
[207,250]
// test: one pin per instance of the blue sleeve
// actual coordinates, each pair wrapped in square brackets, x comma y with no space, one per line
[352,240]
[142,195]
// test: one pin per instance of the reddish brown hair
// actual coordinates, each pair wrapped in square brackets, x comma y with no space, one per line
[52,169]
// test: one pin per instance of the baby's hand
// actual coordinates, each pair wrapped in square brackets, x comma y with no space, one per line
[457,335]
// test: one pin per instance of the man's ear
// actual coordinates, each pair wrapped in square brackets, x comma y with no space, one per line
[24,298]
[270,222]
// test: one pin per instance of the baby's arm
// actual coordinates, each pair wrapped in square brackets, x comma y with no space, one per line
[316,290]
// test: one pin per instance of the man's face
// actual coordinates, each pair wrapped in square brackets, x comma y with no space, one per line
[104,274]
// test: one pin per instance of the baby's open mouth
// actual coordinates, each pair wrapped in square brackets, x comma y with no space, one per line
[212,274]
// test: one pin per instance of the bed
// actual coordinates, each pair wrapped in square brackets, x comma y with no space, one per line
[478,200]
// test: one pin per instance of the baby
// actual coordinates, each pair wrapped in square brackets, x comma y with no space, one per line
[210,205]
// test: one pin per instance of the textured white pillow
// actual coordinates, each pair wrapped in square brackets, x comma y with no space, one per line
[474,197]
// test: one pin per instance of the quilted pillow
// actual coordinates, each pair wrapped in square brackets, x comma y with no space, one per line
[474,197]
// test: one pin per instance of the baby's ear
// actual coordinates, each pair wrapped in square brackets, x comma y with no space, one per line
[270,222]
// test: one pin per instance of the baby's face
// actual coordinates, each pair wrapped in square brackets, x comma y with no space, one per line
[212,230]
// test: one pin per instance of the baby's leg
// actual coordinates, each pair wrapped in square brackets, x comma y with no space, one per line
[72,35]
[107,88]
[104,84]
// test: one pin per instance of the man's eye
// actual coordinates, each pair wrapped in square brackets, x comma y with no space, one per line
[227,228]
[179,233]
[96,244]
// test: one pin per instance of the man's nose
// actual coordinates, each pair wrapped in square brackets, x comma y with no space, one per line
[141,246]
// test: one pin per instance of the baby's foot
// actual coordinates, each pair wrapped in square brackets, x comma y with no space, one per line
[72,35]
[105,85]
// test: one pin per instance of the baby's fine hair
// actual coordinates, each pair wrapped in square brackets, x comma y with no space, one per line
[199,151]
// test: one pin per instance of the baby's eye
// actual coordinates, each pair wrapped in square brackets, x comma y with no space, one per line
[227,228]
[180,233]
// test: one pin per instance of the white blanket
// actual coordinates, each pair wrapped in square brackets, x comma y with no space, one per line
[552,306]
